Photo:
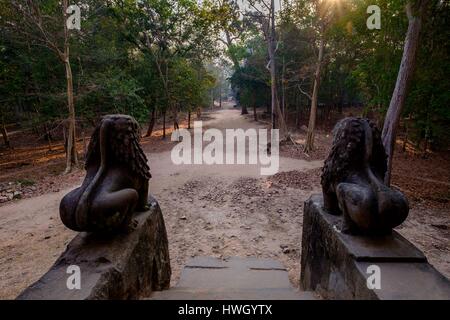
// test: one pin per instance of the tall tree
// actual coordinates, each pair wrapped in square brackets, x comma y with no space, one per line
[323,14]
[45,24]
[4,131]
[263,12]
[166,30]
[309,143]
[415,12]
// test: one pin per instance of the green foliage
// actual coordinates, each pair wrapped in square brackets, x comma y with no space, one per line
[251,80]
[429,97]
[136,56]
[360,66]
[129,57]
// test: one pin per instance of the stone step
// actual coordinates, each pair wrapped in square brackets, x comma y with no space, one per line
[178,293]
[234,278]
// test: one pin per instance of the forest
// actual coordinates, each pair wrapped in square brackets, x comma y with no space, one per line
[159,58]
[298,66]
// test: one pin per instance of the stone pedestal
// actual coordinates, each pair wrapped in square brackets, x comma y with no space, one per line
[125,266]
[336,265]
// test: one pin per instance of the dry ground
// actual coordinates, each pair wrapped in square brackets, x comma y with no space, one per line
[219,210]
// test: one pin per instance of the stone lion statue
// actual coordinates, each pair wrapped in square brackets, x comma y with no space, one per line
[353,180]
[116,182]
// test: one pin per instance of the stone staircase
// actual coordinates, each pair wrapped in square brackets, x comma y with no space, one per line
[208,278]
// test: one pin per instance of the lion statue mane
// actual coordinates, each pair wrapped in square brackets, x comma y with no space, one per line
[116,182]
[353,180]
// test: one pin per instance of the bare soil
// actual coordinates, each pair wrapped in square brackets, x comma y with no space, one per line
[217,210]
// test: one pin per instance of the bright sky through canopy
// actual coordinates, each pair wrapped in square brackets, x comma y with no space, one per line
[244,4]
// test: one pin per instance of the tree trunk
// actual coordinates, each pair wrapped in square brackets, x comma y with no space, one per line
[175,119]
[71,152]
[164,124]
[404,76]
[83,135]
[277,115]
[283,91]
[309,144]
[299,107]
[271,48]
[244,109]
[220,96]
[405,138]
[48,136]
[151,123]
[5,135]
[189,119]
[427,128]
[71,155]
[255,116]
[64,132]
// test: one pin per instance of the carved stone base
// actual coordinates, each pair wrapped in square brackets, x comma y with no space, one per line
[336,264]
[126,266]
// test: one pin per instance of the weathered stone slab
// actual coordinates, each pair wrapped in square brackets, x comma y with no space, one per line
[409,280]
[235,262]
[235,278]
[124,266]
[230,294]
[335,264]
[233,273]
[206,262]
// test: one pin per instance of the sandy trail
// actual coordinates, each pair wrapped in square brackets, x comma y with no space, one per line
[217,210]
[214,210]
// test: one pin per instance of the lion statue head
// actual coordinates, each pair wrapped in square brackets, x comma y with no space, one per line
[121,134]
[348,151]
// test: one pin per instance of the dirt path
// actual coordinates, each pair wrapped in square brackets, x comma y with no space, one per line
[217,210]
